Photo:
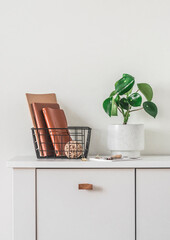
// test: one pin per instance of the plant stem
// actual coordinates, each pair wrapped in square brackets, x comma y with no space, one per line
[126,116]
[118,108]
[136,109]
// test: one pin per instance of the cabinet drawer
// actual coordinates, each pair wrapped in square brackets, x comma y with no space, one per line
[86,204]
[153,204]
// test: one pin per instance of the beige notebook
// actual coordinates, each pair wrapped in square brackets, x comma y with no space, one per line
[39,98]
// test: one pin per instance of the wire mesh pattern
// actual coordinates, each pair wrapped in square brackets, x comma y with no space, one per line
[71,142]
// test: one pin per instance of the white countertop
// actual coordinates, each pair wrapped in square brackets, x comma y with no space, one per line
[153,161]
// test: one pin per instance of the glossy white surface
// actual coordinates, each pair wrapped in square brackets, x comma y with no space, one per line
[144,162]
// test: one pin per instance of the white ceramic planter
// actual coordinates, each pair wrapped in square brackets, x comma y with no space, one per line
[127,140]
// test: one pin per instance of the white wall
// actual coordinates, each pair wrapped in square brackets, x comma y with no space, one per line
[77,49]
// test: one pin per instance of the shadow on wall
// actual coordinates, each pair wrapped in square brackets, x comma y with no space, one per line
[157,141]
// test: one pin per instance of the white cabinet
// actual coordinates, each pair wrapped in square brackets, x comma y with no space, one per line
[130,200]
[153,204]
[65,212]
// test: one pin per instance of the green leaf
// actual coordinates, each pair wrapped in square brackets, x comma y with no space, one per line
[117,99]
[110,107]
[135,100]
[114,108]
[146,90]
[150,108]
[124,103]
[128,93]
[107,106]
[113,93]
[124,84]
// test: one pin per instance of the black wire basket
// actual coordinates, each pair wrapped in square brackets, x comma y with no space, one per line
[71,142]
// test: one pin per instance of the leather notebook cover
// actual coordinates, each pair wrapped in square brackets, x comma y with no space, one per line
[55,118]
[45,144]
[39,98]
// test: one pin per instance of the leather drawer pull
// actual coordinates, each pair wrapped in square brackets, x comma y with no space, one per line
[85,186]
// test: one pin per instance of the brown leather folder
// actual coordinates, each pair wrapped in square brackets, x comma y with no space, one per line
[55,118]
[45,144]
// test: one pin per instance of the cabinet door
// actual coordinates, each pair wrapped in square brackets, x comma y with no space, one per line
[64,212]
[153,204]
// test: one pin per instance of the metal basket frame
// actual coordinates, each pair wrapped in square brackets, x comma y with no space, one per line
[85,134]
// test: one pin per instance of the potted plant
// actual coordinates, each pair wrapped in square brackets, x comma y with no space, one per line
[128,139]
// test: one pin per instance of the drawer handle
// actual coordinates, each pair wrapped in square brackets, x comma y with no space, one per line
[85,186]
